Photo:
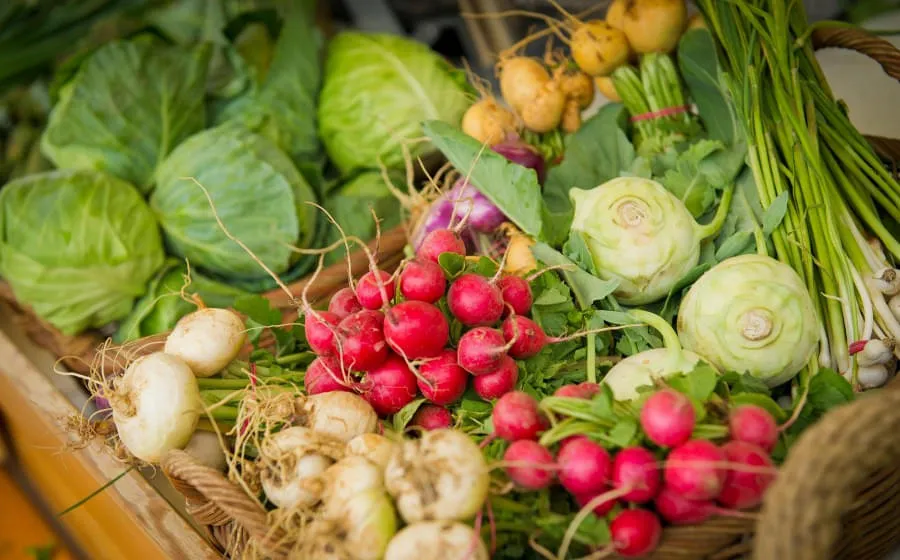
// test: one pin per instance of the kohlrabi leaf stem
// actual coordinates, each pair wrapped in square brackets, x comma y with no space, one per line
[668,334]
[713,227]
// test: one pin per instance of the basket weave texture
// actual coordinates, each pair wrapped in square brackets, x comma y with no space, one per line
[836,496]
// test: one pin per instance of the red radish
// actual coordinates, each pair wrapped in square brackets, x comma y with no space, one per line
[361,338]
[584,466]
[432,417]
[474,300]
[600,509]
[324,376]
[368,289]
[390,386]
[745,488]
[438,242]
[320,328]
[695,470]
[422,280]
[527,336]
[481,350]
[497,383]
[516,416]
[678,510]
[635,532]
[635,468]
[441,380]
[415,329]
[583,390]
[531,464]
[753,424]
[344,303]
[668,418]
[516,293]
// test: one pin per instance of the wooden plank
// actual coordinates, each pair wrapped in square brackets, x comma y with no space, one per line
[128,520]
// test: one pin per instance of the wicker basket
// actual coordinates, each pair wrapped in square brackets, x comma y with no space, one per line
[837,495]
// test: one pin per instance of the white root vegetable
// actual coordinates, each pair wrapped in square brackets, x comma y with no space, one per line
[293,462]
[436,540]
[872,376]
[894,304]
[369,523]
[876,351]
[338,414]
[442,476]
[207,340]
[887,281]
[347,478]
[155,406]
[647,367]
[376,448]
[207,449]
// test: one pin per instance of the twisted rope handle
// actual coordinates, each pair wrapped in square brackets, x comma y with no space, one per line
[214,500]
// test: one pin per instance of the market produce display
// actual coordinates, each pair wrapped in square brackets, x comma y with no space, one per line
[604,327]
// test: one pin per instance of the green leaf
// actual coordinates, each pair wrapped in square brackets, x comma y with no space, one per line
[551,297]
[828,389]
[404,415]
[746,212]
[744,383]
[734,245]
[597,152]
[586,287]
[623,433]
[485,266]
[689,182]
[452,264]
[640,167]
[258,309]
[698,384]
[775,213]
[514,189]
[763,401]
[129,105]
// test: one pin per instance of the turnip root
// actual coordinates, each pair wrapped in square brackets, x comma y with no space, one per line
[489,122]
[293,460]
[441,476]
[521,80]
[571,117]
[207,340]
[654,25]
[376,448]
[155,406]
[360,529]
[519,258]
[615,13]
[206,448]
[696,21]
[606,87]
[436,540]
[348,477]
[599,48]
[544,111]
[338,414]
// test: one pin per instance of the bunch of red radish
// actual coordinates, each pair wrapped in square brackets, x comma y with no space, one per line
[388,339]
[672,478]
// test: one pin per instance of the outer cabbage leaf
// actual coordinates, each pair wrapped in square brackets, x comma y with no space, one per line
[128,106]
[77,246]
[377,91]
[352,207]
[256,191]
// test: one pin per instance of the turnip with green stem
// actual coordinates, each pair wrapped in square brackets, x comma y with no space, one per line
[641,235]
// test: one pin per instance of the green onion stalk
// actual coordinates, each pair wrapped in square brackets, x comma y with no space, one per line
[801,142]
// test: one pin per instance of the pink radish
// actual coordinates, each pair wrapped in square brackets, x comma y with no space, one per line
[516,416]
[441,380]
[600,509]
[415,329]
[584,466]
[494,385]
[432,417]
[678,510]
[636,468]
[474,300]
[362,344]
[438,242]
[583,390]
[344,303]
[694,470]
[744,489]
[323,375]
[753,424]
[320,328]
[530,464]
[422,280]
[481,350]
[668,418]
[635,532]
[527,337]
[390,386]
[368,289]
[516,294]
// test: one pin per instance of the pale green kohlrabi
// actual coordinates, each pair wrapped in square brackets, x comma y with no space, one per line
[129,105]
[641,235]
[645,368]
[377,91]
[78,247]
[753,314]
[256,191]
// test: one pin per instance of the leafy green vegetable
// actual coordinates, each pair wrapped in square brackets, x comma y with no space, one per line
[128,106]
[586,287]
[77,246]
[377,90]
[256,191]
[512,188]
[405,415]
[688,180]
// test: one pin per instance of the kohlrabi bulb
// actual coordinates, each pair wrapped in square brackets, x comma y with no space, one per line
[753,314]
[640,234]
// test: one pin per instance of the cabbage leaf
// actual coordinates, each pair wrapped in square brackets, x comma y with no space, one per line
[77,246]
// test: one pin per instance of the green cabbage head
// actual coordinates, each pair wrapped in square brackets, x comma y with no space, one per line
[377,91]
[256,191]
[77,246]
